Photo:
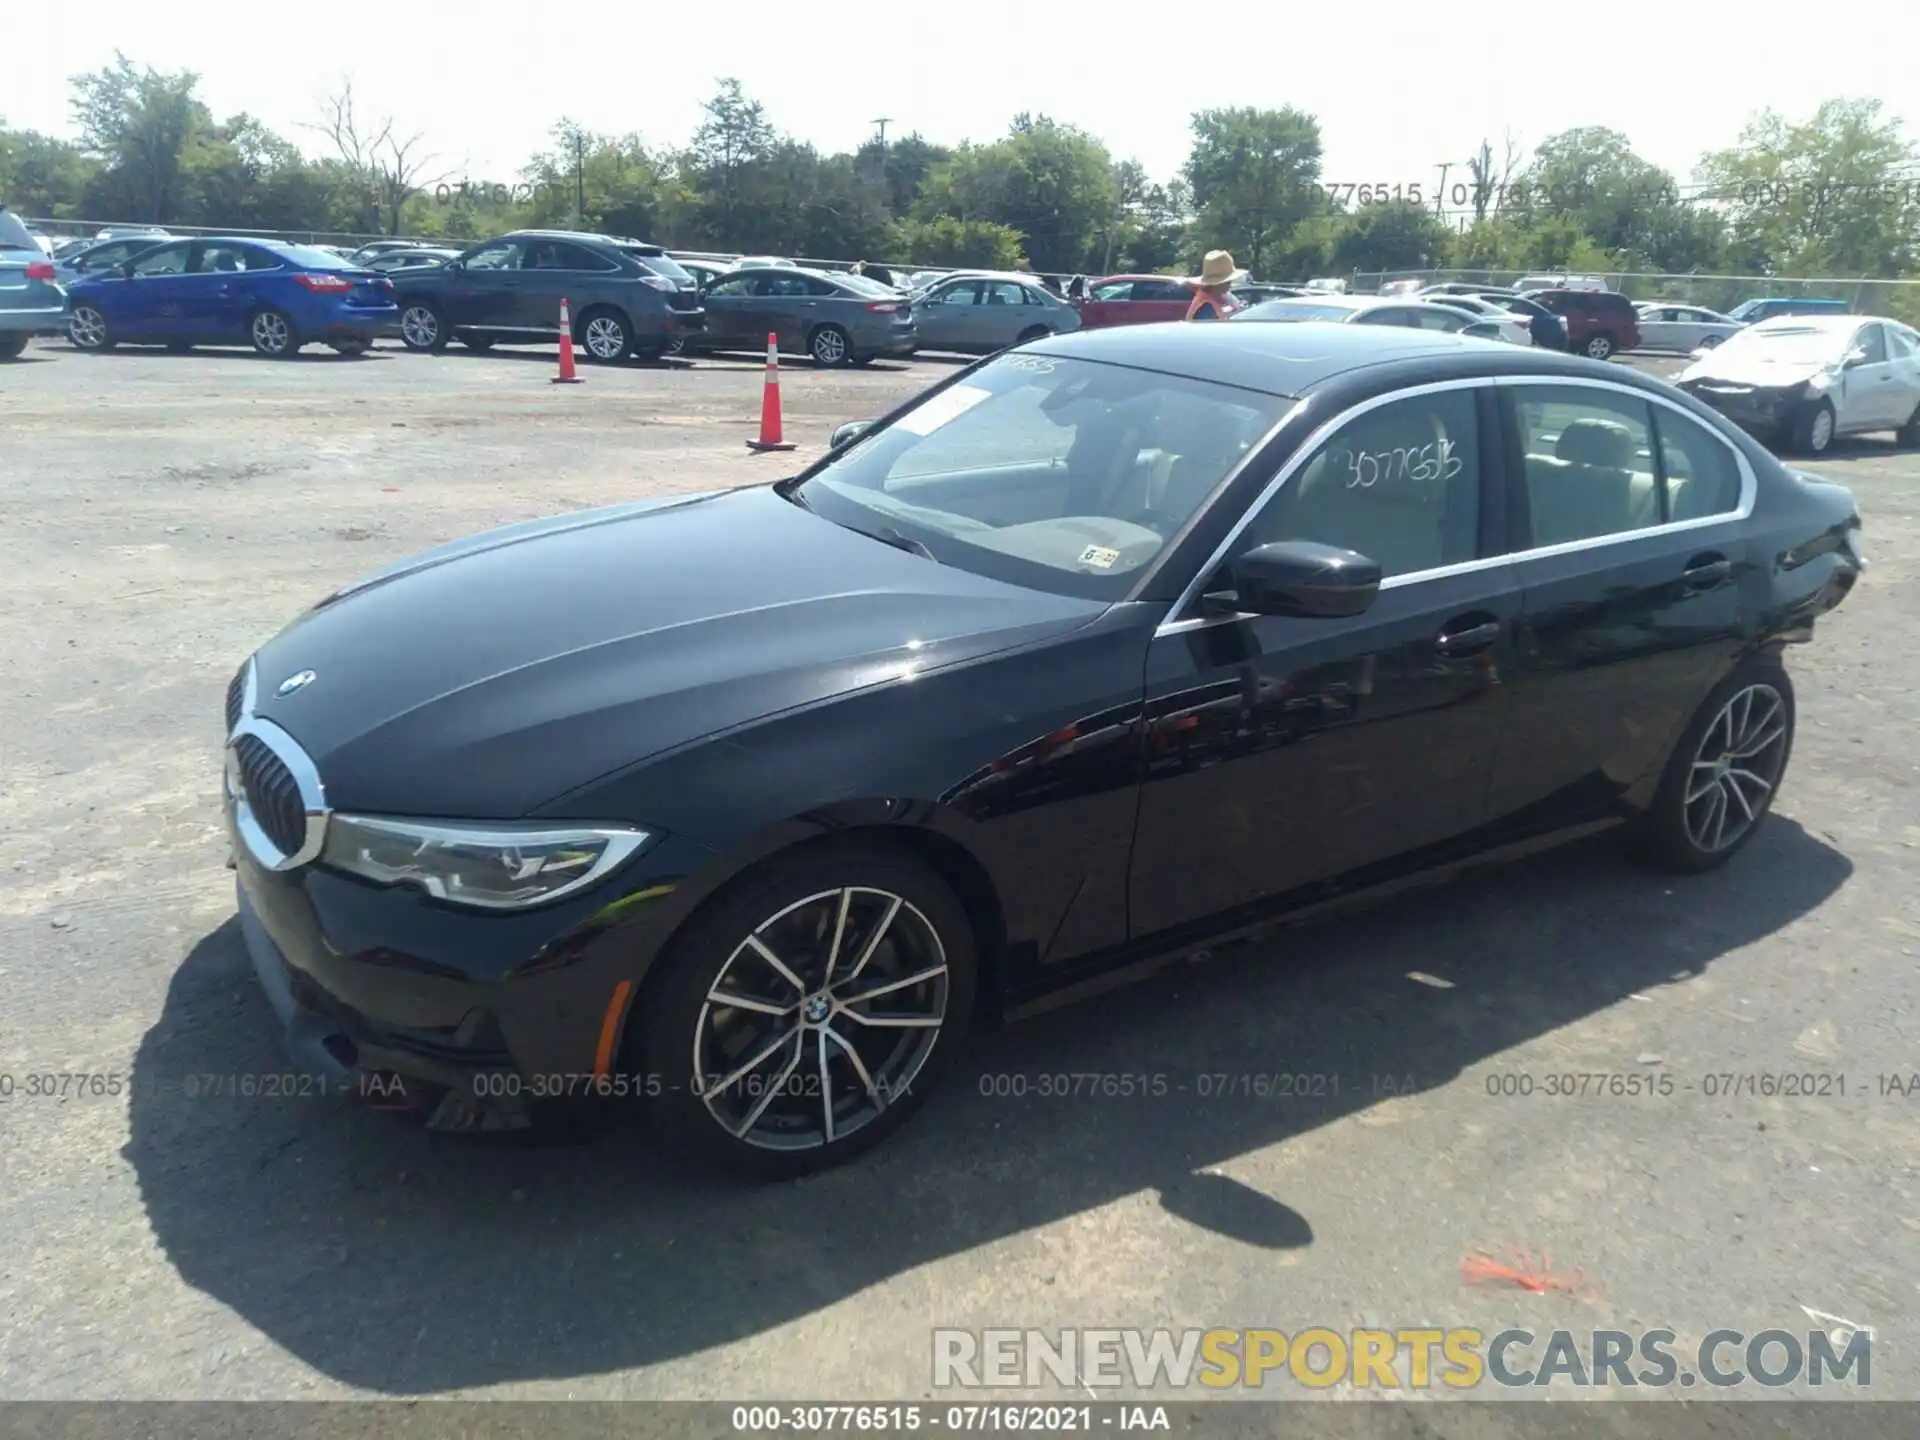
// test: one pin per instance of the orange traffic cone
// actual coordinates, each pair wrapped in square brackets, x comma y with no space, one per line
[770,404]
[566,375]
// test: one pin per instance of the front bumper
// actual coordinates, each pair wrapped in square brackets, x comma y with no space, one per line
[473,1021]
[1764,411]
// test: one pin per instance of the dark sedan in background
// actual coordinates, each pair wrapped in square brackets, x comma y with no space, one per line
[232,290]
[1109,645]
[625,297]
[835,318]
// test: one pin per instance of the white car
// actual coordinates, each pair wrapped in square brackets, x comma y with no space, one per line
[1559,282]
[1514,329]
[1413,312]
[1803,380]
[1682,328]
[762,262]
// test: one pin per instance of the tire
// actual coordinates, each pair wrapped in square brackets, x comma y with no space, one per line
[87,329]
[604,335]
[1598,347]
[830,347]
[1033,332]
[1711,342]
[1812,432]
[675,347]
[1753,703]
[350,347]
[12,347]
[422,328]
[794,902]
[273,335]
[1907,437]
[479,344]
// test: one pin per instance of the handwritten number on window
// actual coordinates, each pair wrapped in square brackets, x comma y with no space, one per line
[1421,464]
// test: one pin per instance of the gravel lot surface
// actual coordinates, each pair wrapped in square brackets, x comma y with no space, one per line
[161,515]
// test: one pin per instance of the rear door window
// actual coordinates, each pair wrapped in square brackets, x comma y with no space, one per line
[1588,456]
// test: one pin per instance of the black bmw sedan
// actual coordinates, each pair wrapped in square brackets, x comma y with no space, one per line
[749,805]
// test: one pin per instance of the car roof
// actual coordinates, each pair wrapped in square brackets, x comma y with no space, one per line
[1292,360]
[587,237]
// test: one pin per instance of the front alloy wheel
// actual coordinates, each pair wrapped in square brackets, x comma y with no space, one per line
[806,1016]
[1599,347]
[829,346]
[420,328]
[87,329]
[821,1016]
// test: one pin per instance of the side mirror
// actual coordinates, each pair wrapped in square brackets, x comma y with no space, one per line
[848,433]
[1855,359]
[454,267]
[1301,578]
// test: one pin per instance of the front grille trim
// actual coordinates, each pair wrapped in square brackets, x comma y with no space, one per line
[311,802]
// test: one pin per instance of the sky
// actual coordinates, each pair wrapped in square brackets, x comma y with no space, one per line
[484,83]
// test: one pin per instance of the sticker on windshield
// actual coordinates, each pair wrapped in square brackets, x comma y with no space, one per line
[942,409]
[1099,557]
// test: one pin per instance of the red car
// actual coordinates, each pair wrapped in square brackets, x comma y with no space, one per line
[1134,300]
[1599,322]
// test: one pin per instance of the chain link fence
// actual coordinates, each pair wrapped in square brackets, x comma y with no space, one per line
[1899,299]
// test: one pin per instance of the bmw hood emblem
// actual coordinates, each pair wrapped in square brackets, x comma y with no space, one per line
[294,682]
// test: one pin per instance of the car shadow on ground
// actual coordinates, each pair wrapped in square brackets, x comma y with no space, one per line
[409,1263]
[552,357]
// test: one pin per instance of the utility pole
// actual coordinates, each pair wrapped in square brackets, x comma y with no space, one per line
[579,179]
[1440,198]
[881,126]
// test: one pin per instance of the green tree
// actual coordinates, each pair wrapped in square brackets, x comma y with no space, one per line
[950,241]
[1398,235]
[619,186]
[905,165]
[42,176]
[145,128]
[1625,204]
[1254,175]
[1835,195]
[1051,183]
[732,141]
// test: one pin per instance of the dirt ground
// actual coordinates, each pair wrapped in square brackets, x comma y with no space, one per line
[162,515]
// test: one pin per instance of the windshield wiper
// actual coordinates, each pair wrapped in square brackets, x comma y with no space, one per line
[887,535]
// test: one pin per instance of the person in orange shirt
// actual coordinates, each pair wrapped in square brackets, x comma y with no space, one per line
[1211,300]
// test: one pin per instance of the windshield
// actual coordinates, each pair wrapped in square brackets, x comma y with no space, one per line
[1293,310]
[1789,344]
[1061,475]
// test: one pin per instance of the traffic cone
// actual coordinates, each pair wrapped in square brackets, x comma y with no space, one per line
[566,375]
[770,404]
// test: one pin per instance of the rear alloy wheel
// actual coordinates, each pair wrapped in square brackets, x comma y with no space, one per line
[1723,775]
[1711,342]
[1033,332]
[1598,347]
[87,329]
[1908,435]
[829,347]
[421,328]
[803,1018]
[273,335]
[12,347]
[1813,430]
[605,337]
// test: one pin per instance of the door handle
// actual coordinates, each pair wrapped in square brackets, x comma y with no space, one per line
[1474,638]
[1706,572]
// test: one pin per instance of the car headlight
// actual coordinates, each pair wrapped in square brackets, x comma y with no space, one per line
[498,866]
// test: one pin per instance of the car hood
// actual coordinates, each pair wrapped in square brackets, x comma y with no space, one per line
[493,675]
[1763,372]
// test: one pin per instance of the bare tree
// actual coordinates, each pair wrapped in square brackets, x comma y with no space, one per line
[385,169]
[1490,180]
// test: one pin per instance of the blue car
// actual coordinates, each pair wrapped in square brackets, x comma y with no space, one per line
[219,291]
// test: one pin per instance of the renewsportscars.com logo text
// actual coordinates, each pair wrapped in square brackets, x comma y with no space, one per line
[1413,1358]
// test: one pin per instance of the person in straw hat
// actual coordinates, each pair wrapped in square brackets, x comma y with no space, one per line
[1217,276]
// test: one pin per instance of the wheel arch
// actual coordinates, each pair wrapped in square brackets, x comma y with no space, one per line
[918,833]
